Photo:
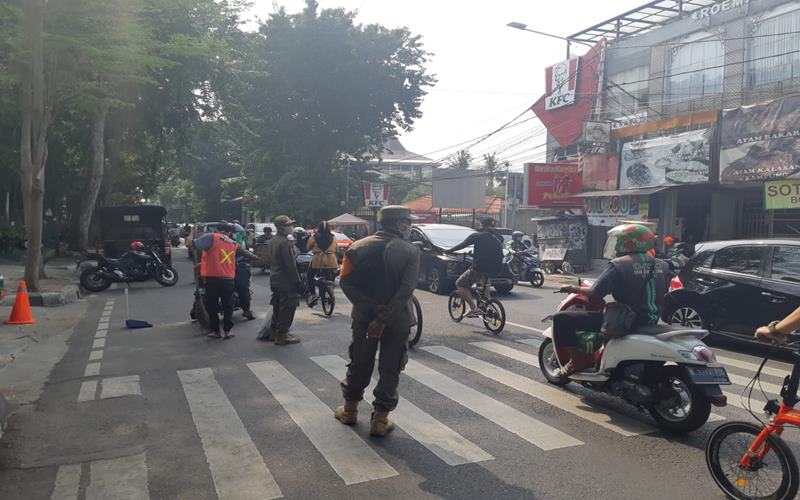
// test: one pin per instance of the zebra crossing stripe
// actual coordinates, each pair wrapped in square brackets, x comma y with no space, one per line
[535,432]
[753,367]
[68,480]
[562,400]
[352,459]
[442,441]
[744,381]
[88,389]
[118,479]
[115,387]
[237,469]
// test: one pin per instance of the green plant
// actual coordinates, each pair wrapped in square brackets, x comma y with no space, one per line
[11,238]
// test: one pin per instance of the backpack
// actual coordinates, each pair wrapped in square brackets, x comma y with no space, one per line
[369,275]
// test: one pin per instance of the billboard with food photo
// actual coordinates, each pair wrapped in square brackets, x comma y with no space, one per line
[666,161]
[554,184]
[760,142]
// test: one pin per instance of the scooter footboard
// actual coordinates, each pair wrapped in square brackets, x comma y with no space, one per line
[548,332]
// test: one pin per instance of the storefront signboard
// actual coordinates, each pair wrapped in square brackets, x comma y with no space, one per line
[666,161]
[761,142]
[783,194]
[608,211]
[554,184]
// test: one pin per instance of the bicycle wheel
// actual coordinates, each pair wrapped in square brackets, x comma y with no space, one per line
[416,330]
[774,477]
[327,300]
[494,316]
[456,306]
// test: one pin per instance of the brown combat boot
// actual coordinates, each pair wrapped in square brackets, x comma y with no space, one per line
[285,339]
[347,413]
[380,424]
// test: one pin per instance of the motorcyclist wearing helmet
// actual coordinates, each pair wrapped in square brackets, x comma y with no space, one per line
[633,278]
[516,244]
[301,237]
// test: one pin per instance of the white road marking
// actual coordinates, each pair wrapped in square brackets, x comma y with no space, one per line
[345,451]
[759,385]
[237,469]
[99,343]
[524,327]
[106,315]
[121,478]
[740,401]
[115,387]
[68,480]
[442,441]
[535,432]
[96,355]
[88,389]
[103,325]
[101,334]
[753,367]
[561,399]
[92,370]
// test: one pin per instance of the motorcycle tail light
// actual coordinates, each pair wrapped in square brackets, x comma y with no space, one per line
[705,354]
[675,284]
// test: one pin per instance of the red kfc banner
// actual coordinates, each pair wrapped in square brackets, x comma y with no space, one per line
[554,184]
[376,195]
[571,93]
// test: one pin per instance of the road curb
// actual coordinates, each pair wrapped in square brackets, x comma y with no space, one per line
[67,295]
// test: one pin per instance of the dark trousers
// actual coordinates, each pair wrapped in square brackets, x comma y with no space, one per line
[392,360]
[328,274]
[242,284]
[284,304]
[567,324]
[219,290]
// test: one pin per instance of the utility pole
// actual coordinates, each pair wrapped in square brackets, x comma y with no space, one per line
[505,201]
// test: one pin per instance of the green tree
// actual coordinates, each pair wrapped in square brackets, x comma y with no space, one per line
[461,161]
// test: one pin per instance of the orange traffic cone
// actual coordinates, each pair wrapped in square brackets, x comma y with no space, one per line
[21,312]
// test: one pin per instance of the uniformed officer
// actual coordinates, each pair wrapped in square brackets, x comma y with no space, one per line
[284,281]
[379,275]
[218,268]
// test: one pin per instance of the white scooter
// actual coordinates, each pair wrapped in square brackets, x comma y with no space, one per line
[665,370]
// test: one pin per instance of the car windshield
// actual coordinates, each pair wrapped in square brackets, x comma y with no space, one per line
[341,237]
[446,237]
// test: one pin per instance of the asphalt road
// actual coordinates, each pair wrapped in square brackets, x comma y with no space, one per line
[168,413]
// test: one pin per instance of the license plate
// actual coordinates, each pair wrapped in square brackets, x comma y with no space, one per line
[709,375]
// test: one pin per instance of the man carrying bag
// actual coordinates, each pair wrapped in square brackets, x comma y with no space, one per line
[637,282]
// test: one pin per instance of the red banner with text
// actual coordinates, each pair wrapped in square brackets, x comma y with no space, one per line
[554,184]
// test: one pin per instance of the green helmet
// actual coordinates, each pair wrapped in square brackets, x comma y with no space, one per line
[631,238]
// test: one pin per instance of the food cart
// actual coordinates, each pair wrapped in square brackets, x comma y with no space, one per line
[562,243]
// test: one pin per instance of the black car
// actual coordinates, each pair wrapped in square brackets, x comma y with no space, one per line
[439,271]
[733,287]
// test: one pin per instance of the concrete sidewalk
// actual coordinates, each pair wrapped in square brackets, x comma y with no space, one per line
[28,353]
[60,287]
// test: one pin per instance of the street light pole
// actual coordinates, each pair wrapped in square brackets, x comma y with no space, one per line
[524,27]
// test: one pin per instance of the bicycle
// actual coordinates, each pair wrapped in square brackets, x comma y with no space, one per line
[490,310]
[416,330]
[758,454]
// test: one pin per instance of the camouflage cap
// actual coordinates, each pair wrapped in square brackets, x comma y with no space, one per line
[283,220]
[395,212]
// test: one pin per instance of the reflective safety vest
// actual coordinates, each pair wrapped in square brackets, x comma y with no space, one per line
[219,261]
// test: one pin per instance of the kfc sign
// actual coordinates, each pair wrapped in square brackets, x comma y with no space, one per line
[376,195]
[562,83]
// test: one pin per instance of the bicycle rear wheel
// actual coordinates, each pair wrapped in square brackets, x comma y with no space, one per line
[774,477]
[494,316]
[416,330]
[456,306]
[327,300]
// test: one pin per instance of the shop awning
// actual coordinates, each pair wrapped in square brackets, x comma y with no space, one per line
[622,192]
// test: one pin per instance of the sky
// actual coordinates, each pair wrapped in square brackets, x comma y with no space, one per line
[487,72]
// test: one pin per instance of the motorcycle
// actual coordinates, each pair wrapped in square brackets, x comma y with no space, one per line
[131,267]
[665,370]
[525,266]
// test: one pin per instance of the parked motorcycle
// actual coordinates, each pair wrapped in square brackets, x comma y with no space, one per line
[665,370]
[525,266]
[131,267]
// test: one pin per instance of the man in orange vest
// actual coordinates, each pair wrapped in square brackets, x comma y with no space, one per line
[218,268]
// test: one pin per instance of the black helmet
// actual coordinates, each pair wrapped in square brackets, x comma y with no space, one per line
[517,235]
[488,223]
[392,213]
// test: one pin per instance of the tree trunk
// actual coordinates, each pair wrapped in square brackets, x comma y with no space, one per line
[95,175]
[35,119]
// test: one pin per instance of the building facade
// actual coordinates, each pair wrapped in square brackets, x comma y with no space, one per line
[702,101]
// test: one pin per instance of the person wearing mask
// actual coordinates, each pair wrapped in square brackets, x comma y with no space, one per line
[265,236]
[633,277]
[487,260]
[379,275]
[516,244]
[301,237]
[218,269]
[323,245]
[284,282]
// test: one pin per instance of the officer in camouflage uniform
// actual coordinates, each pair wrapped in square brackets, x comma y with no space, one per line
[382,314]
